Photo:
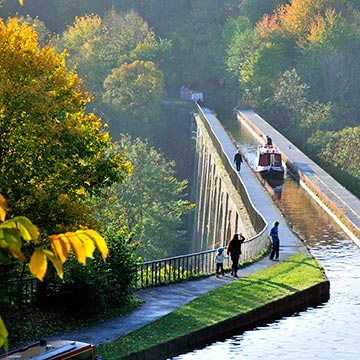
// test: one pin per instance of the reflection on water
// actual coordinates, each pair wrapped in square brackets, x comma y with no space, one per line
[329,331]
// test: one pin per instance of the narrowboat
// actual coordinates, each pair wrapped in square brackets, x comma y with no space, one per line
[268,162]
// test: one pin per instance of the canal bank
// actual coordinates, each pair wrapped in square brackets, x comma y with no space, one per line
[258,298]
[336,200]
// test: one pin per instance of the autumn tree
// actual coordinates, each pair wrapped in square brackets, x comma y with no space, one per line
[325,38]
[52,153]
[134,91]
[97,45]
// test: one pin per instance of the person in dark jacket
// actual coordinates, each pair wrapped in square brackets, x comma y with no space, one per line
[234,251]
[238,160]
[275,242]
[268,140]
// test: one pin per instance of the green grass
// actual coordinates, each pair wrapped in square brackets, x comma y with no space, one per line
[297,273]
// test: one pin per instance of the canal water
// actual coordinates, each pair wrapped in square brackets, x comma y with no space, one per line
[329,331]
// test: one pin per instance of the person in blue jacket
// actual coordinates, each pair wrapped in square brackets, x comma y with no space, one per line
[275,242]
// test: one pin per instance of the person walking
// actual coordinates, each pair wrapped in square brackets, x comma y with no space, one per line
[275,242]
[234,250]
[238,160]
[219,258]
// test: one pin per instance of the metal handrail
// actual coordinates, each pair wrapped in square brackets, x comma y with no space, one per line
[149,274]
[177,268]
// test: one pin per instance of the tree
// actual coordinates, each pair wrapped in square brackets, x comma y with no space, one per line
[99,45]
[83,29]
[339,150]
[53,155]
[151,203]
[291,93]
[329,63]
[135,90]
[307,117]
[238,36]
[204,53]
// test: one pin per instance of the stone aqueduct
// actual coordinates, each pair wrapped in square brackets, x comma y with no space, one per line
[223,203]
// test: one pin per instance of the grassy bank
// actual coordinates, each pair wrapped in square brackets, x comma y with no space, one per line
[297,273]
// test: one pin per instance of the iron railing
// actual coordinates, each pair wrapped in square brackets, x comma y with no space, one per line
[149,274]
[178,268]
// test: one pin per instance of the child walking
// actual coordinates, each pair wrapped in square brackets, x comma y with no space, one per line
[220,262]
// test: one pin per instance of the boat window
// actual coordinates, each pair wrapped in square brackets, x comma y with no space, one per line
[264,160]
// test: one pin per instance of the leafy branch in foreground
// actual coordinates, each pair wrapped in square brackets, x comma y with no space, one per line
[14,231]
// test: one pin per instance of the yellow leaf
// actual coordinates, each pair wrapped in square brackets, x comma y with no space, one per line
[10,239]
[60,246]
[21,2]
[78,246]
[56,262]
[88,243]
[38,263]
[99,242]
[2,208]
[27,229]
[17,254]
[3,335]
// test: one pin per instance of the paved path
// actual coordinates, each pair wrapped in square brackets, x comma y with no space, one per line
[163,300]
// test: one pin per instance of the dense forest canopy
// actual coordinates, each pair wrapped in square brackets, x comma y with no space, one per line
[298,58]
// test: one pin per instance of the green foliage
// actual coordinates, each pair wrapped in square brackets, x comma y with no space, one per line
[119,57]
[150,202]
[98,284]
[339,150]
[239,37]
[98,45]
[291,96]
[290,92]
[135,90]
[204,51]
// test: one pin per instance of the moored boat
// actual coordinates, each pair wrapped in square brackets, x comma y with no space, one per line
[268,162]
[192,95]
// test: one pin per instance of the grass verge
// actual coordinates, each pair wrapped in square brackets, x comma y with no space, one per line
[297,273]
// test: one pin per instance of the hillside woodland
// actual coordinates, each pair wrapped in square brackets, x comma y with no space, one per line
[86,143]
[298,58]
